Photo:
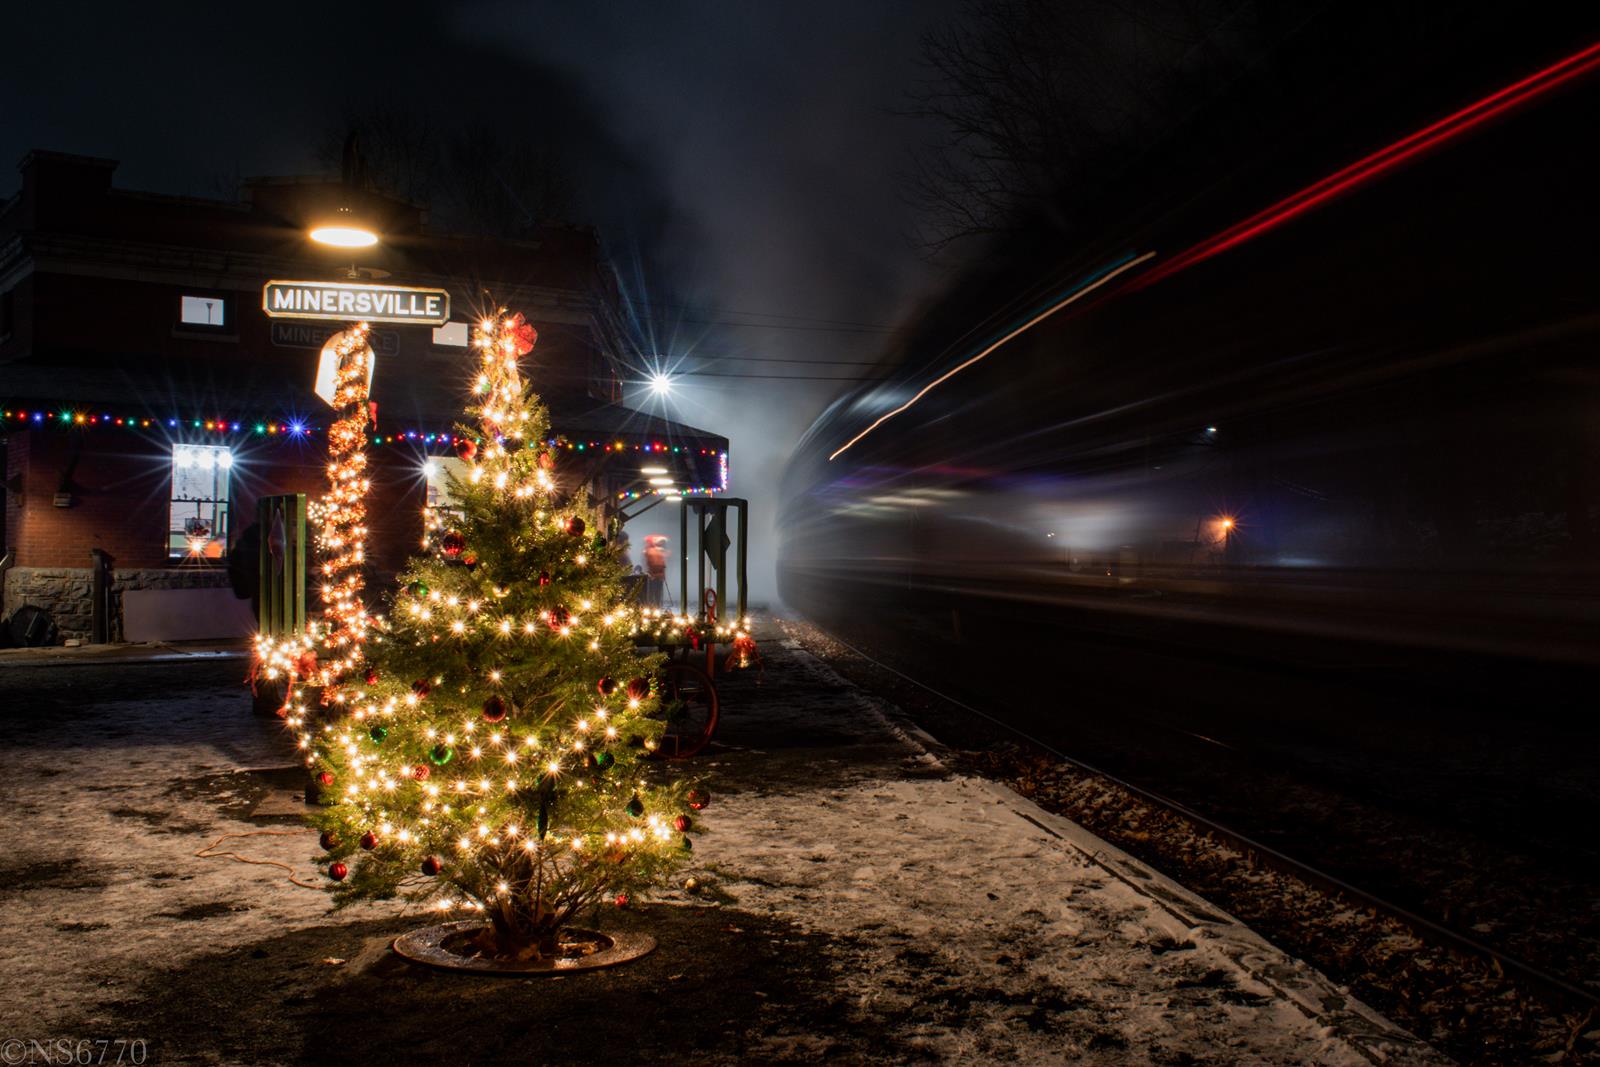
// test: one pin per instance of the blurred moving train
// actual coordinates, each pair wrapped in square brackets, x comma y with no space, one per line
[1372,415]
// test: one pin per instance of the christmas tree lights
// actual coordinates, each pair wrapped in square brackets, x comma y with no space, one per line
[484,745]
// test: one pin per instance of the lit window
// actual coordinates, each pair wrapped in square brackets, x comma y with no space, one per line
[203,311]
[439,470]
[198,525]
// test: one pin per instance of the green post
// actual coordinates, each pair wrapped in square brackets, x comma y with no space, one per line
[744,557]
[282,591]
[683,559]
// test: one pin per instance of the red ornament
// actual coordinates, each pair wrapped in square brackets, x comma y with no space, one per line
[432,866]
[607,686]
[744,649]
[329,840]
[575,526]
[620,900]
[682,823]
[559,617]
[698,799]
[326,777]
[547,461]
[420,772]
[372,676]
[338,871]
[453,543]
[524,335]
[469,561]
[638,688]
[466,448]
[494,709]
[421,687]
[369,840]
[544,577]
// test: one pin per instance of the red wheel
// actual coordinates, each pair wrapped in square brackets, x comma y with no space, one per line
[689,706]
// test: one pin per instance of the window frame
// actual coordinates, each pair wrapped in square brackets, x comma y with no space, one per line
[226,327]
[221,508]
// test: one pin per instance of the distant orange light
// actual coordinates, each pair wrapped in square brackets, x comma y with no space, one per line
[1227,524]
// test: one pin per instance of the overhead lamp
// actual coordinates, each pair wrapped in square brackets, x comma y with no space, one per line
[660,384]
[344,229]
[652,470]
[661,481]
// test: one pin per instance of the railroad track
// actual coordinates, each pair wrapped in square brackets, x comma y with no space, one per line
[1273,858]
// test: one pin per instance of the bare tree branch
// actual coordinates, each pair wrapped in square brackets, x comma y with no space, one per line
[1038,102]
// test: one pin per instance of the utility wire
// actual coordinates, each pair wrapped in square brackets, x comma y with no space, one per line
[784,359]
[758,314]
[776,377]
[780,326]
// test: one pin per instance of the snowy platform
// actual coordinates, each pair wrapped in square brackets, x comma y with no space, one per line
[859,905]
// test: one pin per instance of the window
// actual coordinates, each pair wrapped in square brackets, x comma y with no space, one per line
[198,525]
[440,507]
[439,470]
[197,311]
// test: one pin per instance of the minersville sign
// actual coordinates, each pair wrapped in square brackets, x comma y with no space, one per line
[354,300]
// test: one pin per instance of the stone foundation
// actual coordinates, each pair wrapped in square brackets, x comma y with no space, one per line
[64,592]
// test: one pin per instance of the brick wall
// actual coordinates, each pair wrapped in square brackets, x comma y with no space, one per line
[120,482]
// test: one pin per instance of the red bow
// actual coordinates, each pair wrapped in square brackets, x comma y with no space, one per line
[526,336]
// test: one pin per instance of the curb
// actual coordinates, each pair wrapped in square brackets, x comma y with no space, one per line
[88,656]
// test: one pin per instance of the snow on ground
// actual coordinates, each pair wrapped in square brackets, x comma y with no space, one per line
[101,837]
[975,915]
[961,923]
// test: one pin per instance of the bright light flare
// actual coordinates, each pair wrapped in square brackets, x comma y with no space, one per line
[344,236]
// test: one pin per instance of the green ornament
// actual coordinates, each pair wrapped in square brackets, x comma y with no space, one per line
[378,733]
[635,807]
[603,760]
[686,844]
[417,589]
[442,754]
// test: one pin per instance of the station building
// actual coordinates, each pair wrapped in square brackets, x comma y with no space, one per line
[147,399]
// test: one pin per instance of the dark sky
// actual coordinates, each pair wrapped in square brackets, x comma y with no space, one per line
[736,156]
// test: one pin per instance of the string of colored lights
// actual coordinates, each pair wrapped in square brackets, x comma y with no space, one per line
[80,416]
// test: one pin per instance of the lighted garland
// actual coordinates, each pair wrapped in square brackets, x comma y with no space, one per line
[342,513]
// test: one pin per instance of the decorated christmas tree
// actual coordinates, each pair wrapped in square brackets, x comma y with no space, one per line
[485,745]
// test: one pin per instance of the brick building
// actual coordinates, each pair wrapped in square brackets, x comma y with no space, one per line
[147,400]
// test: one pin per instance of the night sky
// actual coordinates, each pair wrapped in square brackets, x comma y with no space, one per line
[734,158]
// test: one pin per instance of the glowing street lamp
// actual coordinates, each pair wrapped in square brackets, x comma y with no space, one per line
[660,384]
[343,229]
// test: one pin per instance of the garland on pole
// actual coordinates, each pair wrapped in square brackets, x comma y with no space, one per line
[342,543]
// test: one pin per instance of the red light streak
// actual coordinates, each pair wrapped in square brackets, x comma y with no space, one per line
[1385,159]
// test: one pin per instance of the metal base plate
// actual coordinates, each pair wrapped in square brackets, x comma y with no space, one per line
[436,946]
